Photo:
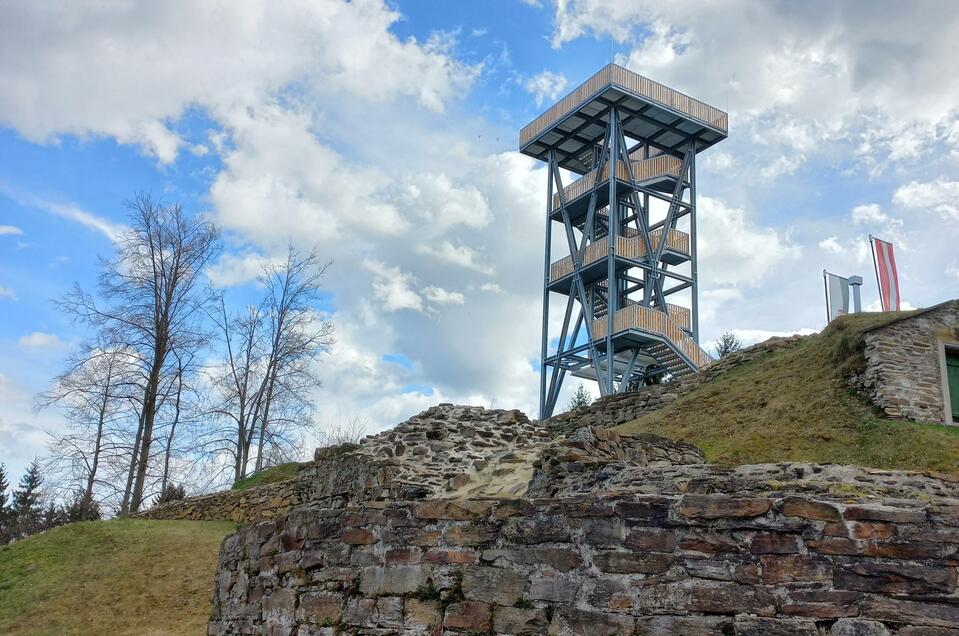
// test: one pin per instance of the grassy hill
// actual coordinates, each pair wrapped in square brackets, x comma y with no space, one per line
[111,577]
[793,405]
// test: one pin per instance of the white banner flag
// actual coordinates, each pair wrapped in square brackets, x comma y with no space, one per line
[837,295]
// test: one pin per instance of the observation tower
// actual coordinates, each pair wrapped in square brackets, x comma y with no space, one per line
[625,261]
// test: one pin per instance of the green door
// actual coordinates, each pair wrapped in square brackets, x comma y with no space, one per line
[952,370]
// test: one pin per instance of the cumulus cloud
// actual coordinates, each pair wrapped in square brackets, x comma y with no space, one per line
[440,296]
[739,251]
[7,292]
[795,77]
[130,71]
[831,245]
[10,230]
[40,340]
[940,196]
[546,86]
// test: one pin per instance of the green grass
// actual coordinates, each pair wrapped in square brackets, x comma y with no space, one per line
[280,472]
[793,405]
[122,576]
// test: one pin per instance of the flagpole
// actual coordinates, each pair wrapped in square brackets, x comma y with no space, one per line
[875,267]
[825,288]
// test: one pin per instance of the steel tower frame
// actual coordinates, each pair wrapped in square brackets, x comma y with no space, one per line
[632,271]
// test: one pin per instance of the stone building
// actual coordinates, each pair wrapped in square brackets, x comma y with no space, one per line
[912,365]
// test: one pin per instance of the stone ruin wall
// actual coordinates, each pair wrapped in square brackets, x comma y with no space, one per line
[433,452]
[630,564]
[902,371]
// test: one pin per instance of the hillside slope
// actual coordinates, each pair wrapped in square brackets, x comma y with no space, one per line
[793,405]
[111,577]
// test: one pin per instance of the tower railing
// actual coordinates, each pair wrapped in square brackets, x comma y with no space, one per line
[655,322]
[643,170]
[628,247]
[643,86]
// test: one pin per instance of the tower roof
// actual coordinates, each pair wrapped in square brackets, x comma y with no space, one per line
[658,114]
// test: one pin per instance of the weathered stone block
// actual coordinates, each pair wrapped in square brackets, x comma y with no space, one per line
[757,626]
[685,625]
[858,627]
[643,509]
[469,615]
[809,509]
[894,578]
[651,540]
[553,588]
[880,513]
[733,599]
[620,562]
[529,531]
[493,585]
[514,620]
[358,536]
[457,510]
[722,507]
[774,543]
[422,615]
[320,607]
[473,534]
[794,567]
[575,621]
[398,579]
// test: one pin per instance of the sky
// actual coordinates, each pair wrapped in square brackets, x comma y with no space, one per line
[385,135]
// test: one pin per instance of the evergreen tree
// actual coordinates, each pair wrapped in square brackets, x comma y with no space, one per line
[582,397]
[727,343]
[27,511]
[6,532]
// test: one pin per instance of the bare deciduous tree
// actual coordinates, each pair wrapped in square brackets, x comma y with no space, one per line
[150,301]
[267,378]
[91,392]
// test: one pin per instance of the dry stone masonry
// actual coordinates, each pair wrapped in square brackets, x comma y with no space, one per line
[630,564]
[903,370]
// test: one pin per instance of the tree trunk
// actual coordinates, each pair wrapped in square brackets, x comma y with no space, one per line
[169,439]
[149,416]
[128,490]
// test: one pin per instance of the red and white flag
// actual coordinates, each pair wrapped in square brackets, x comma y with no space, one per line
[886,273]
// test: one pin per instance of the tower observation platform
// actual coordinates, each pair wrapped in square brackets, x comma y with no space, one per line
[621,154]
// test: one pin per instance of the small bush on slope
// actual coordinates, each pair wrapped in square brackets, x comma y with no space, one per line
[794,405]
[122,576]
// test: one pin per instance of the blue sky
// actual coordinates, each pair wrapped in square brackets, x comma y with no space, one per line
[384,134]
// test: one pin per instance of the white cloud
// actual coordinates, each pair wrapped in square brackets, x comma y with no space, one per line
[546,86]
[90,68]
[460,255]
[797,79]
[7,292]
[737,250]
[831,245]
[69,211]
[941,196]
[236,269]
[440,296]
[393,288]
[40,340]
[10,229]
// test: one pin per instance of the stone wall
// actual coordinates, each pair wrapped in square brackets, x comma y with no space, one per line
[902,372]
[633,564]
[242,506]
[620,408]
